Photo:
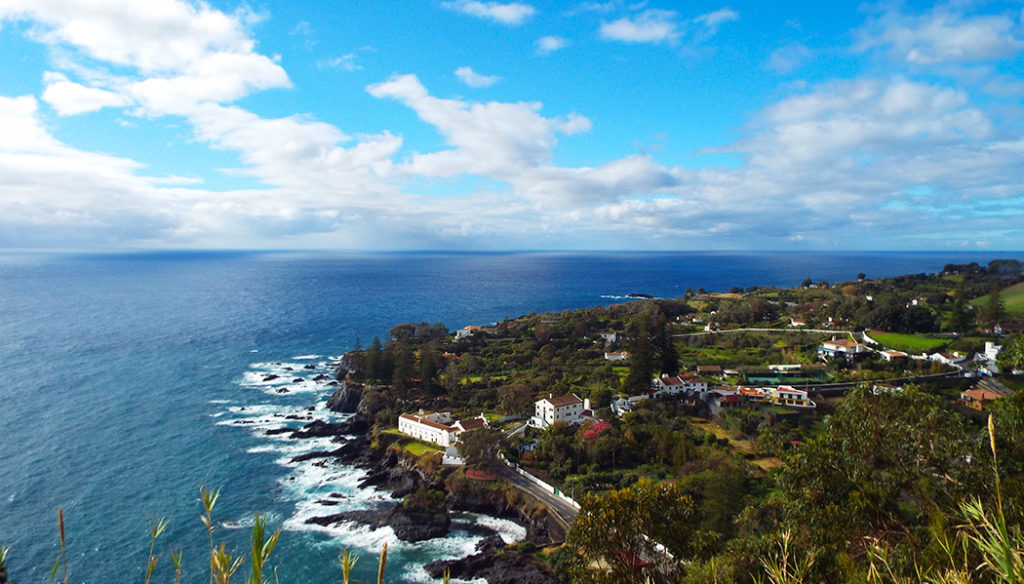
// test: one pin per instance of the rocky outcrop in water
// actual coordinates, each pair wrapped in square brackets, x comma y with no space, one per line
[420,516]
[355,426]
[495,563]
[408,525]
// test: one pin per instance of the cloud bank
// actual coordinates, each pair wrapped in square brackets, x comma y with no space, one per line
[827,163]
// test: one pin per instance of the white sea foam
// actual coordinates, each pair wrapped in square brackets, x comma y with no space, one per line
[349,535]
[281,378]
[442,548]
[510,531]
[219,401]
[260,418]
[323,486]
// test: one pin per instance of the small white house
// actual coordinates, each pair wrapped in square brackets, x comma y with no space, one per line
[616,356]
[892,355]
[565,408]
[843,348]
[992,350]
[946,358]
[786,395]
[608,336]
[466,331]
[622,405]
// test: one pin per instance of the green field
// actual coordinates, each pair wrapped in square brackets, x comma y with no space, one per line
[1013,299]
[418,448]
[908,343]
[411,445]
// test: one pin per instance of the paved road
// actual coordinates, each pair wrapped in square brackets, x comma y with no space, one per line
[765,330]
[565,512]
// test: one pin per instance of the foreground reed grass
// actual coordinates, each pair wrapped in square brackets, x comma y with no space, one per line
[224,563]
[985,533]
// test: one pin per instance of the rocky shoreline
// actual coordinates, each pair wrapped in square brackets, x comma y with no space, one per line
[424,499]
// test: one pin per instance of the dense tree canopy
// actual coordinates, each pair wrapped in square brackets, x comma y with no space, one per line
[882,464]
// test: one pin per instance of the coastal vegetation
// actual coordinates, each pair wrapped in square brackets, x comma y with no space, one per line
[887,479]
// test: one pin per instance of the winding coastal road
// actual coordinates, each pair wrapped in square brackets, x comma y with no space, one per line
[561,508]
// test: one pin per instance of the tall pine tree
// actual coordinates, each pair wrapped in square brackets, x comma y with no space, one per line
[640,370]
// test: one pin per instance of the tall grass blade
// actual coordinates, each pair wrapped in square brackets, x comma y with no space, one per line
[260,548]
[176,560]
[208,498]
[383,563]
[155,529]
[348,561]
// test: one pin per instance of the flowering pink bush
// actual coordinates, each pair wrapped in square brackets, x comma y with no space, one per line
[594,428]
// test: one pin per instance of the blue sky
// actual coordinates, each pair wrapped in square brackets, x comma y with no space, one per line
[477,125]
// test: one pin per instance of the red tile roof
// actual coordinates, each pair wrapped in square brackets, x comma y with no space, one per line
[471,424]
[426,422]
[981,395]
[564,400]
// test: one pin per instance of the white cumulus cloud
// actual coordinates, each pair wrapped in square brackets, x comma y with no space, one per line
[70,98]
[511,14]
[712,20]
[473,79]
[649,26]
[549,44]
[943,35]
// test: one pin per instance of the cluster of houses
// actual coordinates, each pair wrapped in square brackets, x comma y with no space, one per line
[718,397]
[985,363]
[439,427]
[853,351]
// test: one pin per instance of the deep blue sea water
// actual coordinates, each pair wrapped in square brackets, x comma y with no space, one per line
[129,381]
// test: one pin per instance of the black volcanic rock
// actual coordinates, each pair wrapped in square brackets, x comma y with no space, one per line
[346,398]
[409,524]
[320,429]
[497,565]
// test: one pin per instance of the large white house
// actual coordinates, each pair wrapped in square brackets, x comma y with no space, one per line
[565,408]
[437,427]
[428,427]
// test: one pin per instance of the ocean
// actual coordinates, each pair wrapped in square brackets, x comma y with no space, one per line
[131,380]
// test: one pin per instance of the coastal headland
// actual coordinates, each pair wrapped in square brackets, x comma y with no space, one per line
[706,397]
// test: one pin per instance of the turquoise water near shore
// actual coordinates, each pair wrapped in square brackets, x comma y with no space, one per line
[131,380]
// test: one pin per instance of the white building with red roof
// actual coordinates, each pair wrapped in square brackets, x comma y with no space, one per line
[673,384]
[843,349]
[565,408]
[437,427]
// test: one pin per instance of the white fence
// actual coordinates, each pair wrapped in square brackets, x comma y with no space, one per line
[553,490]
